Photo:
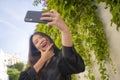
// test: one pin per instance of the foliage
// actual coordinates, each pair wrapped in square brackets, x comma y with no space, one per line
[14,70]
[26,66]
[19,66]
[13,74]
[114,9]
[87,31]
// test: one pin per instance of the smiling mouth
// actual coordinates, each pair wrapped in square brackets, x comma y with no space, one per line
[43,44]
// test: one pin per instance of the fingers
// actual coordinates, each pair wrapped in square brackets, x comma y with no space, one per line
[49,47]
[50,23]
[46,18]
[53,16]
[49,14]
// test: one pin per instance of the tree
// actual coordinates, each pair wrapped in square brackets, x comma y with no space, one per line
[13,74]
[19,66]
[14,70]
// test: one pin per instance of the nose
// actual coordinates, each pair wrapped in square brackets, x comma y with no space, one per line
[40,41]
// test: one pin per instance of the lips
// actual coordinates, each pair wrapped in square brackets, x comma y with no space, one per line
[43,44]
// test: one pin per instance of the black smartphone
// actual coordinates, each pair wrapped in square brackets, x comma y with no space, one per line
[34,16]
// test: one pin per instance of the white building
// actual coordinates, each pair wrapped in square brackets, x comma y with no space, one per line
[6,60]
[11,59]
[3,68]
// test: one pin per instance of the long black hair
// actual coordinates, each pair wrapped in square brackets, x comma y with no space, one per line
[34,53]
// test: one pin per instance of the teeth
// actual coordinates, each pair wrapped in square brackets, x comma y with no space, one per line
[43,44]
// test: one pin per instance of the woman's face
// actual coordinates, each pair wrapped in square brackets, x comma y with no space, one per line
[40,42]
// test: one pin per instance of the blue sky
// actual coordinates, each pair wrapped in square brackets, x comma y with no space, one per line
[14,32]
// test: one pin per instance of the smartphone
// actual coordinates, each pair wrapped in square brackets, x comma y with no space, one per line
[34,16]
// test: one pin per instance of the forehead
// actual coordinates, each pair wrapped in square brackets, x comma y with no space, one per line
[36,36]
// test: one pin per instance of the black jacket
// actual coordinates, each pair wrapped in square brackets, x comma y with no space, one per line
[60,67]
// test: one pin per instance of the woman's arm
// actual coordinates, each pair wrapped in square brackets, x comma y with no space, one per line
[66,37]
[71,62]
[57,21]
[63,28]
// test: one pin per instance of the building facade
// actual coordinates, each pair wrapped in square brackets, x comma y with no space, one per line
[7,60]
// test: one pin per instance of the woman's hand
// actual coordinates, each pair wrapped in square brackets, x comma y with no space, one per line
[45,57]
[55,19]
[47,54]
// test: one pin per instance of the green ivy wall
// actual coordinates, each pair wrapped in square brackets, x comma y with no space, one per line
[113,37]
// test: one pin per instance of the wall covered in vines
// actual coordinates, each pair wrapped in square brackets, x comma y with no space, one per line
[114,9]
[87,32]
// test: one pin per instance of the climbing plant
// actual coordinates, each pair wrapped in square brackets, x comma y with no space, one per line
[87,32]
[114,6]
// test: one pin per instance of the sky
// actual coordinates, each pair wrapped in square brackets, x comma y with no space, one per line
[14,32]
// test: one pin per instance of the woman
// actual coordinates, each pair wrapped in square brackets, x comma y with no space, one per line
[46,61]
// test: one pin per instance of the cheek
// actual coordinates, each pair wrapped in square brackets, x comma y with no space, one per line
[37,46]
